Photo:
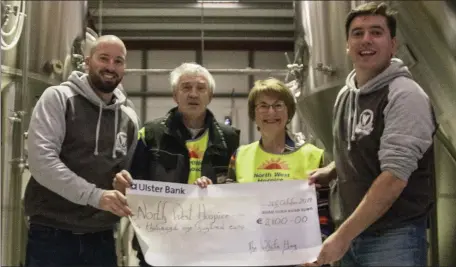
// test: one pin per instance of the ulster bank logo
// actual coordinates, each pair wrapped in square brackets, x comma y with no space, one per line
[273,164]
[194,152]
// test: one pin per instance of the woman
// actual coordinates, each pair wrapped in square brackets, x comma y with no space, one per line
[276,156]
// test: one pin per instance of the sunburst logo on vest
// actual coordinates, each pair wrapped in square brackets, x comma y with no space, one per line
[194,152]
[273,164]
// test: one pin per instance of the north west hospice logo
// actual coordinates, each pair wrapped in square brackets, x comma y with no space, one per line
[274,164]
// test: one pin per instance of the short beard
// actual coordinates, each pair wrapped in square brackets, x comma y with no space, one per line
[102,86]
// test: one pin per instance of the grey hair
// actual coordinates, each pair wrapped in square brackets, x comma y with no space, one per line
[193,69]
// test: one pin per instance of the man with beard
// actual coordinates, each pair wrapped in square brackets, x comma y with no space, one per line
[82,132]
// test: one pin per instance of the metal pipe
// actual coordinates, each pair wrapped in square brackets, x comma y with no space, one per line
[247,71]
[25,108]
[13,253]
[170,94]
[446,143]
[24,93]
[1,152]
[100,17]
[202,29]
[252,129]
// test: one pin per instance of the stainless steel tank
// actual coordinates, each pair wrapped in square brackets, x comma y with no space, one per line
[320,43]
[52,32]
[57,31]
[426,34]
[427,30]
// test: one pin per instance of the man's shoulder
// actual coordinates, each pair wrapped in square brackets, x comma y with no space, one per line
[228,133]
[60,91]
[153,129]
[156,124]
[405,85]
[228,129]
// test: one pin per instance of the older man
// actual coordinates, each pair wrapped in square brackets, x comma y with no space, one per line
[81,133]
[186,144]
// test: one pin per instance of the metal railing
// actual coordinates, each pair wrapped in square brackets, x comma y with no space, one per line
[246,71]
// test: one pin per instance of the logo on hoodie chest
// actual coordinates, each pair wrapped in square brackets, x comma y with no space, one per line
[121,143]
[365,123]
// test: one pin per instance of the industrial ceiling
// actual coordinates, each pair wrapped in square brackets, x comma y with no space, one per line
[191,20]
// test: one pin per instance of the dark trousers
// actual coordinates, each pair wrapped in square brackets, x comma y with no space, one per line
[50,247]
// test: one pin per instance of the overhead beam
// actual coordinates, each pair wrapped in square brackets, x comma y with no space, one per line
[207,20]
[208,35]
[193,12]
[281,4]
[275,45]
[169,94]
[196,26]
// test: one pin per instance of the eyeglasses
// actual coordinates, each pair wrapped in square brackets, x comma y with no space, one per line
[263,107]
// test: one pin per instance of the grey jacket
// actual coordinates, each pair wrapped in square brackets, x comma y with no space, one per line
[76,145]
[386,125]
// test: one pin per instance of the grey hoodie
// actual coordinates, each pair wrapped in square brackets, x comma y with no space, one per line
[386,125]
[76,145]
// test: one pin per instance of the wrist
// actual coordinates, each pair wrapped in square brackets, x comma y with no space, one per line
[331,171]
[347,232]
[95,197]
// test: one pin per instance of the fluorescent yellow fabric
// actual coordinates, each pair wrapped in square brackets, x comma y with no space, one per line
[196,149]
[253,164]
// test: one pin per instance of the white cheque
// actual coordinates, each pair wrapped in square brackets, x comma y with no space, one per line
[258,224]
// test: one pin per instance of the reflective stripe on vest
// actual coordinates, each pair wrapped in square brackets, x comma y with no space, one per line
[196,149]
[253,164]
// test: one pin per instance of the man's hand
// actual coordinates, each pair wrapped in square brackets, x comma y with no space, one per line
[322,176]
[113,201]
[203,182]
[332,250]
[122,181]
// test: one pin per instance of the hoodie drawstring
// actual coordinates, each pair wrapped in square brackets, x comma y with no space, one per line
[394,70]
[115,132]
[355,115]
[97,134]
[79,83]
[352,118]
[349,128]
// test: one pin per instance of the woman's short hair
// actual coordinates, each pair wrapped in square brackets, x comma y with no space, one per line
[275,87]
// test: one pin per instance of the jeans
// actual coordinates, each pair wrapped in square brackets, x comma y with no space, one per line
[50,247]
[405,246]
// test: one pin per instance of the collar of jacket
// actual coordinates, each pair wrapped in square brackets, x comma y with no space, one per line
[176,128]
[290,145]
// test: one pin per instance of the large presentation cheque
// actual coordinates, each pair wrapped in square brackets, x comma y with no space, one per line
[268,223]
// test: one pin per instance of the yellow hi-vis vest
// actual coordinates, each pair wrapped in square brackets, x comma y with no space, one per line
[253,164]
[196,149]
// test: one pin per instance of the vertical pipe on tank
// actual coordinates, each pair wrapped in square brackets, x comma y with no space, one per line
[1,144]
[100,17]
[301,56]
[24,106]
[17,242]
